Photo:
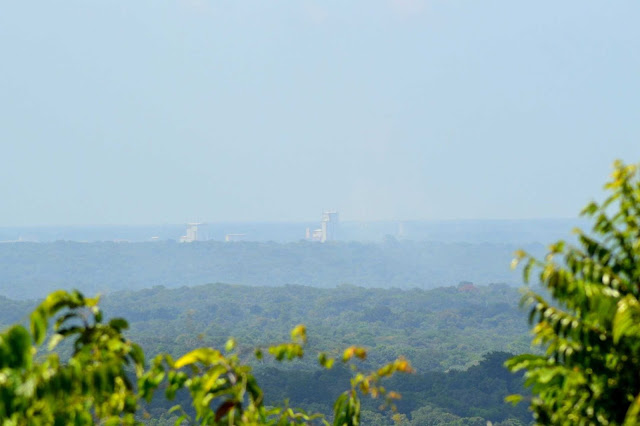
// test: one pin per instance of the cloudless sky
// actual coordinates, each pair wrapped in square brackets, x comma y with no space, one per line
[162,111]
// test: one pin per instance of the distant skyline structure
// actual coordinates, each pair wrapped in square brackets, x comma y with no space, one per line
[192,232]
[328,228]
[330,220]
[520,231]
[230,238]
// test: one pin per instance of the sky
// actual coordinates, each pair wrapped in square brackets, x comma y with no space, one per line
[165,111]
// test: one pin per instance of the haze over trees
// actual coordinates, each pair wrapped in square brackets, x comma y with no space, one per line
[31,270]
[447,134]
[458,338]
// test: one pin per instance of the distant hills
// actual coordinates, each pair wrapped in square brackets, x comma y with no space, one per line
[31,270]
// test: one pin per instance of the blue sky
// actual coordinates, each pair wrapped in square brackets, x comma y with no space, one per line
[136,112]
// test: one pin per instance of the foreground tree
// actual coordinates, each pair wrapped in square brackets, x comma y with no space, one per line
[95,385]
[590,371]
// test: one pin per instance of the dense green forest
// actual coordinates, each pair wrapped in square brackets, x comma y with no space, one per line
[449,327]
[472,396]
[456,398]
[31,270]
[445,331]
[456,337]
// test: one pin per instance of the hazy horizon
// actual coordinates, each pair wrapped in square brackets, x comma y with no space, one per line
[543,231]
[159,112]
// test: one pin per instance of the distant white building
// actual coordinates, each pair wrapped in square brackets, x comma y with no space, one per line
[327,230]
[192,233]
[229,238]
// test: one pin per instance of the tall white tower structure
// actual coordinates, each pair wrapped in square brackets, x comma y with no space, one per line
[192,233]
[328,225]
[328,228]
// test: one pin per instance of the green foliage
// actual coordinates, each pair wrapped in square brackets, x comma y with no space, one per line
[477,392]
[91,385]
[589,372]
[347,406]
[94,386]
[437,329]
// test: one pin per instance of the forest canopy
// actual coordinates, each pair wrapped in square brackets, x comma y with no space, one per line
[438,330]
[103,376]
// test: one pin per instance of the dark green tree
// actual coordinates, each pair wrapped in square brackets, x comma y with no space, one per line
[96,384]
[590,328]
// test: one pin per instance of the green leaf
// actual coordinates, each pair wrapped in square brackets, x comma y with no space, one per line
[38,321]
[19,343]
[299,333]
[513,399]
[174,408]
[203,355]
[119,324]
[55,340]
[325,361]
[230,345]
